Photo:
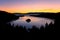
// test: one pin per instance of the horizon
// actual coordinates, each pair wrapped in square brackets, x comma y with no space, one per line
[26,6]
[27,12]
[44,11]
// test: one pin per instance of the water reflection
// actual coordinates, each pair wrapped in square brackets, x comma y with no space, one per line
[35,21]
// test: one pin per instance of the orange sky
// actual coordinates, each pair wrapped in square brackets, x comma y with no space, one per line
[30,6]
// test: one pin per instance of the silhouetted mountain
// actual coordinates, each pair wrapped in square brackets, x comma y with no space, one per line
[19,14]
[45,15]
[6,17]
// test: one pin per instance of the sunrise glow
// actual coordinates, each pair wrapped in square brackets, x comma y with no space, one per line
[25,6]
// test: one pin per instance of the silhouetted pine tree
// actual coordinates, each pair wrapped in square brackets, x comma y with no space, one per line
[46,27]
[51,27]
[34,29]
[42,29]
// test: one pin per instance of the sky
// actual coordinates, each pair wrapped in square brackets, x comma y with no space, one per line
[24,6]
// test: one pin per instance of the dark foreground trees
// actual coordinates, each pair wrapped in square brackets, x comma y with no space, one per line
[9,28]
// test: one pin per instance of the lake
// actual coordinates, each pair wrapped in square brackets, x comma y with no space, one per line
[34,21]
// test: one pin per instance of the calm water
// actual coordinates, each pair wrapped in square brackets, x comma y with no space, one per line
[35,21]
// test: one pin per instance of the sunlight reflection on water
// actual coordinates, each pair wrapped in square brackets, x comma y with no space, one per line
[35,21]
